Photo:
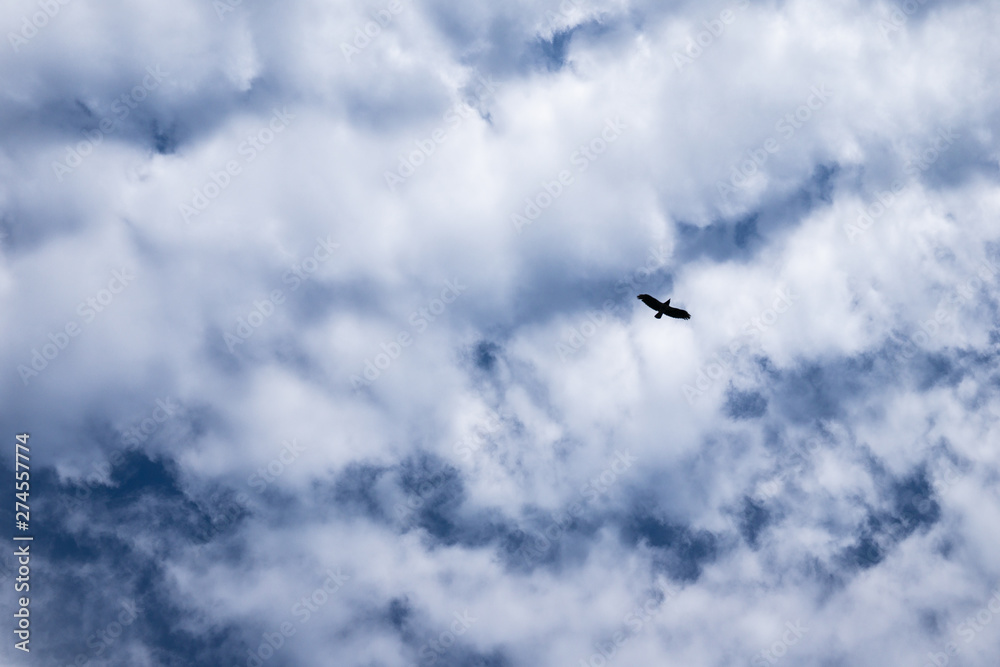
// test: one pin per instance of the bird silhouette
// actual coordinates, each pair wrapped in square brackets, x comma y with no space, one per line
[664,308]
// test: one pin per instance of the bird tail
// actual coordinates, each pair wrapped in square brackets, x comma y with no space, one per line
[659,315]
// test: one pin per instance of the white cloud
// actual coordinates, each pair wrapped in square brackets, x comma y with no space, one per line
[881,350]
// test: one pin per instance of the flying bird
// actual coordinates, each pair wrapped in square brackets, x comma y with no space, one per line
[664,308]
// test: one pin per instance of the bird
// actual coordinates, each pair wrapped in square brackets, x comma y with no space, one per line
[664,308]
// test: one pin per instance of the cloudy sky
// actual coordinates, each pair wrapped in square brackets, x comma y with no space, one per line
[321,317]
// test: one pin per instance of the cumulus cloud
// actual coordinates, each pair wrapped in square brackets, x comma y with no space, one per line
[322,320]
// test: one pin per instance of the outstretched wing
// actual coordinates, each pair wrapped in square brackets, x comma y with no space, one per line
[678,313]
[650,301]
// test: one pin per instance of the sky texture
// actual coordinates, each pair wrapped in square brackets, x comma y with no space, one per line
[322,319]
